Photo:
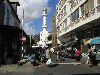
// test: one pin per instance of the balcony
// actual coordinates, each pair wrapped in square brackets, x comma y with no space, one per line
[88,17]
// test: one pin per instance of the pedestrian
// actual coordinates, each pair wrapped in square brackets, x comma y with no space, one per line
[48,57]
[95,52]
[52,49]
[47,53]
[77,55]
[91,56]
[58,54]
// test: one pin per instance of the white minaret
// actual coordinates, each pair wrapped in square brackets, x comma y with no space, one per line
[44,34]
[44,19]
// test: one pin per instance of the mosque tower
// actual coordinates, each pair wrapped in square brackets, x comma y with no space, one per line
[44,34]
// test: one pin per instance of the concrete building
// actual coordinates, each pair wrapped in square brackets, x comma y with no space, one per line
[2,10]
[77,21]
[8,13]
[44,34]
[11,17]
[10,32]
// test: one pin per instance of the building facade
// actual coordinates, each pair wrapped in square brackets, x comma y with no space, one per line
[10,32]
[2,11]
[77,20]
[11,17]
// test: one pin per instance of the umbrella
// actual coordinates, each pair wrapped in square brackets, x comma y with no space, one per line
[93,41]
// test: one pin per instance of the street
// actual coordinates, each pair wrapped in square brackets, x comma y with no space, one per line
[67,67]
[49,37]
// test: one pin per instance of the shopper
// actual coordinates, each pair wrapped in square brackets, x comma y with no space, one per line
[91,56]
[77,56]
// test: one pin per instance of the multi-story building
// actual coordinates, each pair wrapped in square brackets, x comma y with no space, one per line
[77,20]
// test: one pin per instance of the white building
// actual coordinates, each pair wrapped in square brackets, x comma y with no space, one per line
[77,19]
[44,34]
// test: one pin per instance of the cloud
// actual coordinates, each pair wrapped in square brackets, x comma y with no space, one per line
[29,28]
[33,9]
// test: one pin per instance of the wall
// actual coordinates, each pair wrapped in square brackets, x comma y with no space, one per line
[2,12]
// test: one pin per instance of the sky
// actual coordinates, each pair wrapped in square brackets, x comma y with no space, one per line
[33,10]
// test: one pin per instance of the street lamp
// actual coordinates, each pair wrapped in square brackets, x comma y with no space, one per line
[31,30]
[22,24]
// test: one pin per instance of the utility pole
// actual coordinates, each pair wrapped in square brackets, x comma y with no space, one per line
[31,30]
[22,48]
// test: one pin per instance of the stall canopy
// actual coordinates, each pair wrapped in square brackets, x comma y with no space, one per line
[93,41]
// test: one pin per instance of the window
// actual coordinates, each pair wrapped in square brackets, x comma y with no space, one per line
[84,9]
[63,1]
[87,6]
[63,25]
[98,2]
[64,10]
[75,15]
[73,3]
[65,22]
[61,14]
[90,4]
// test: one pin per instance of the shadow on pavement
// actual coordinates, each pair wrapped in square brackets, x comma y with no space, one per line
[88,74]
[53,65]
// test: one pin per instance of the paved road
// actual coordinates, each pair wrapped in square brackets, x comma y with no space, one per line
[62,69]
[66,68]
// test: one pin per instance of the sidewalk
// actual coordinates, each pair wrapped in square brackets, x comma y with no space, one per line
[8,68]
[14,67]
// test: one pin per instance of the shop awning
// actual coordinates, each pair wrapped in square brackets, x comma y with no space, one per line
[93,41]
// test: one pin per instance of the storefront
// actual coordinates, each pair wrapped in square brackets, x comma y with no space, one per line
[88,34]
[10,44]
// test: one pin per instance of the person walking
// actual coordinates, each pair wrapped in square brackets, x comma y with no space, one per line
[47,53]
[91,56]
[52,49]
[48,57]
[58,54]
[77,55]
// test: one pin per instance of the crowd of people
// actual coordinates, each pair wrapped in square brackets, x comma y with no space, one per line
[73,53]
[44,54]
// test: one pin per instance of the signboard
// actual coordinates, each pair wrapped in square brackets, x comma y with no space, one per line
[23,39]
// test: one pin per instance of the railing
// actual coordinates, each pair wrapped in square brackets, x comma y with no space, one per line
[84,17]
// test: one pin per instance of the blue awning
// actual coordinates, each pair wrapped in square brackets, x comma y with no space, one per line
[95,40]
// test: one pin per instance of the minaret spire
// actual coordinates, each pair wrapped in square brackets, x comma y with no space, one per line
[44,34]
[44,26]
